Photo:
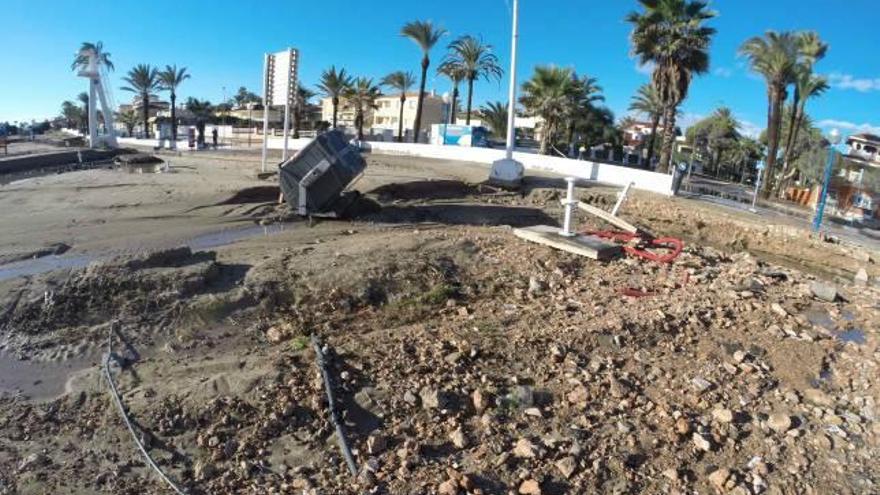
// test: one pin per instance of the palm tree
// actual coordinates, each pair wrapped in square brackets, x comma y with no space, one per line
[476,60]
[202,110]
[455,73]
[143,80]
[583,94]
[425,35]
[494,113]
[129,119]
[647,101]
[84,119]
[774,56]
[303,95]
[548,95]
[169,80]
[400,81]
[81,61]
[671,34]
[71,113]
[333,84]
[362,94]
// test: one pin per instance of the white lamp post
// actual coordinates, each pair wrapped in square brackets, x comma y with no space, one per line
[446,101]
[509,172]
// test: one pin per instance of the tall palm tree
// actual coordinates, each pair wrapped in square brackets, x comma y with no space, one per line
[477,61]
[129,119]
[775,57]
[303,95]
[548,95]
[672,35]
[400,81]
[425,35]
[362,94]
[202,110]
[169,80]
[453,71]
[71,113]
[84,119]
[333,84]
[143,80]
[494,113]
[81,61]
[646,101]
[584,93]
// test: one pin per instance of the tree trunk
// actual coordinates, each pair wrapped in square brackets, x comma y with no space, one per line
[470,100]
[146,103]
[335,109]
[545,138]
[417,125]
[400,119]
[773,125]
[655,122]
[454,104]
[360,124]
[173,121]
[668,140]
[297,121]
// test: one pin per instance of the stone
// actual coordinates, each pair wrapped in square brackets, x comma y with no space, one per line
[32,461]
[682,426]
[433,398]
[275,335]
[530,487]
[525,449]
[739,356]
[566,466]
[448,487]
[817,397]
[861,278]
[480,400]
[719,477]
[579,395]
[458,438]
[701,384]
[203,469]
[536,286]
[701,442]
[779,422]
[779,310]
[824,292]
[723,415]
[376,444]
[410,398]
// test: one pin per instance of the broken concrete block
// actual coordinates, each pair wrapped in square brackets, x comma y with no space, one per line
[824,292]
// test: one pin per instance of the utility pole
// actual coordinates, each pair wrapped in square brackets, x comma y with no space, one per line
[508,172]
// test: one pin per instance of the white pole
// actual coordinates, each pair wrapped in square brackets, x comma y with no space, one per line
[511,92]
[570,203]
[286,129]
[265,109]
[93,114]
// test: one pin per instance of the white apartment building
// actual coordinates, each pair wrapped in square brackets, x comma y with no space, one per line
[386,115]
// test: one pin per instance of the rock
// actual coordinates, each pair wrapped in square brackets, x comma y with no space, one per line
[566,466]
[458,438]
[818,397]
[861,278]
[701,442]
[530,487]
[682,426]
[34,460]
[525,449]
[481,401]
[779,310]
[448,487]
[719,477]
[701,384]
[824,292]
[376,444]
[723,415]
[779,422]
[410,398]
[739,356]
[579,395]
[536,286]
[203,469]
[523,396]
[534,412]
[433,398]
[275,335]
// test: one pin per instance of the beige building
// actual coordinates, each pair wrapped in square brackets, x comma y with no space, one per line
[386,115]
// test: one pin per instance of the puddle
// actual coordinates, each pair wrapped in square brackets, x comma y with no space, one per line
[855,335]
[211,240]
[40,380]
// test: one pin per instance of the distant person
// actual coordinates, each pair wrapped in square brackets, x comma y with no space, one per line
[214,137]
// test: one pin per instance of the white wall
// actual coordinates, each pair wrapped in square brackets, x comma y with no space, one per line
[582,169]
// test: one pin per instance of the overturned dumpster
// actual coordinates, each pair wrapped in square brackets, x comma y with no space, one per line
[315,181]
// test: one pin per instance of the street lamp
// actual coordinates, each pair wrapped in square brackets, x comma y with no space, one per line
[509,172]
[446,116]
[833,140]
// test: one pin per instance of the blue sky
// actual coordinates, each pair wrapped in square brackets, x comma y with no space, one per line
[222,42]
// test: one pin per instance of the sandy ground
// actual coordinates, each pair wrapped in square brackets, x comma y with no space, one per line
[467,361]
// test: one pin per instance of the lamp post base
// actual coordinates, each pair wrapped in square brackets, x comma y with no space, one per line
[507,173]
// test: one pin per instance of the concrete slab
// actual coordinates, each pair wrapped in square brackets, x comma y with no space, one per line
[583,245]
